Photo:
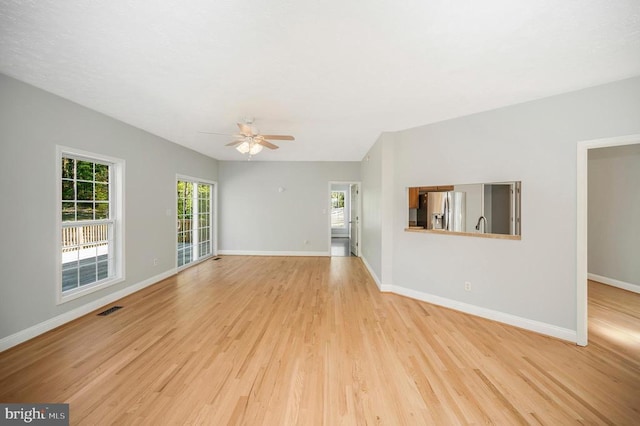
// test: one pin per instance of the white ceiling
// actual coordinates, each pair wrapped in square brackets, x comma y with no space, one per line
[334,73]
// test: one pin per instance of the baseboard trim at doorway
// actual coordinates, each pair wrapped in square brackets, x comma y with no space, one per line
[614,283]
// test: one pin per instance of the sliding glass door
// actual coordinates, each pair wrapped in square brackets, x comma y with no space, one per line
[195,221]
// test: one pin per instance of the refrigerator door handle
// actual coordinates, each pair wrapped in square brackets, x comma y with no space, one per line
[445,217]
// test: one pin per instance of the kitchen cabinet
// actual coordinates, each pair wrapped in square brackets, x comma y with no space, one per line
[445,188]
[414,193]
[441,188]
[414,197]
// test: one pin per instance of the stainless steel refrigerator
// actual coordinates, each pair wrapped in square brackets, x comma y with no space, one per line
[446,211]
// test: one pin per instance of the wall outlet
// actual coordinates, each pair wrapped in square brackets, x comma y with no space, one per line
[467,286]
[155,261]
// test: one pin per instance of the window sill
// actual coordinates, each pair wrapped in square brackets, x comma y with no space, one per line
[86,290]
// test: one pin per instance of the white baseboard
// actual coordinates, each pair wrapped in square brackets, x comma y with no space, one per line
[614,283]
[50,324]
[371,272]
[527,324]
[273,253]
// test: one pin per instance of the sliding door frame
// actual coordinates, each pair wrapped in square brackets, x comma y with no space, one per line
[213,218]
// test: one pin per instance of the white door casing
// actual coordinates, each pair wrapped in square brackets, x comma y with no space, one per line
[582,151]
[354,219]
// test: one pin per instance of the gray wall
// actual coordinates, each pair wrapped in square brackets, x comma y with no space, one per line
[258,218]
[534,142]
[500,211]
[371,224]
[614,213]
[377,209]
[32,122]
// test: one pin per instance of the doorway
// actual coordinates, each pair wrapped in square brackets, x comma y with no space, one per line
[344,219]
[582,227]
[195,233]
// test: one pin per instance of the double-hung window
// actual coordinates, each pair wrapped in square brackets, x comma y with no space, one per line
[90,213]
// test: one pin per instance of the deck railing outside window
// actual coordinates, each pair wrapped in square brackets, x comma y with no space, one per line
[74,237]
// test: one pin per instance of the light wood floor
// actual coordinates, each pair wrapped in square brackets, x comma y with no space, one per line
[278,341]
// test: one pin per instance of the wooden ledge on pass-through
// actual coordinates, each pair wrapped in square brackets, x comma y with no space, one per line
[464,234]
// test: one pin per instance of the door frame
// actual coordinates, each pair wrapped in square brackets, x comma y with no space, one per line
[358,209]
[582,174]
[214,218]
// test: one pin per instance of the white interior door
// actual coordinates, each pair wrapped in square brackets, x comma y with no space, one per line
[354,219]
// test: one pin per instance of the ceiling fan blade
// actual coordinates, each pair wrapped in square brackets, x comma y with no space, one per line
[266,144]
[216,133]
[279,137]
[234,143]
[245,130]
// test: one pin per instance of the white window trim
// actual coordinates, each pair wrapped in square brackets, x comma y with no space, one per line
[117,209]
[214,219]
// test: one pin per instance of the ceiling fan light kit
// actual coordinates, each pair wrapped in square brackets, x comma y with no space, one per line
[250,147]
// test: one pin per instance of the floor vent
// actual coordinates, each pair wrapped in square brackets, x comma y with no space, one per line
[217,258]
[109,311]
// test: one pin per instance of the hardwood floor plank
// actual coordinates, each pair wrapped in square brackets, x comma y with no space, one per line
[294,340]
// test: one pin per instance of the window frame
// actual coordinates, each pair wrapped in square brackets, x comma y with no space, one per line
[116,217]
[213,228]
[344,225]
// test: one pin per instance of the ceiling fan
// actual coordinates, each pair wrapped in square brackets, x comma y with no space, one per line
[250,141]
